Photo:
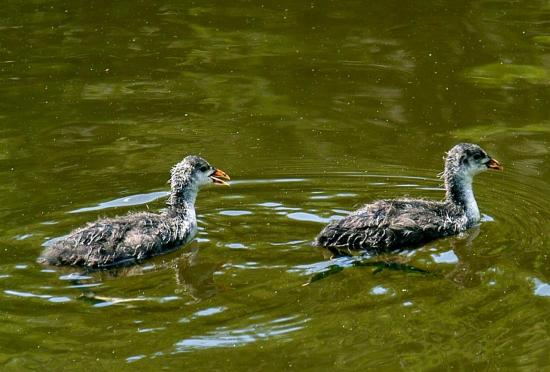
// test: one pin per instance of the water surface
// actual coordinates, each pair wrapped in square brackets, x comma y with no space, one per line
[313,108]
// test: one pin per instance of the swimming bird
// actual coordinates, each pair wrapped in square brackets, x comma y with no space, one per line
[387,225]
[129,239]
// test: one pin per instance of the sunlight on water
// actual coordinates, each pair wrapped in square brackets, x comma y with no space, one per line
[314,109]
[541,288]
[448,257]
[238,337]
[310,217]
[124,202]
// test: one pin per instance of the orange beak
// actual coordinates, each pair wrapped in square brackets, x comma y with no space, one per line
[494,164]
[219,177]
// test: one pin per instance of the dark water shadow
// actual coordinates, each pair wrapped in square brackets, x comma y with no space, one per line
[193,278]
[378,266]
[465,273]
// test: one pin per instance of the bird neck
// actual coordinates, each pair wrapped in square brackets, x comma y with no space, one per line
[459,192]
[183,198]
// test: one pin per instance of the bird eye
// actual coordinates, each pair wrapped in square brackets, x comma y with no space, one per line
[204,168]
[477,156]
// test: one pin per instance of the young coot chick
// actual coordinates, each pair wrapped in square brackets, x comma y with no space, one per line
[390,224]
[129,239]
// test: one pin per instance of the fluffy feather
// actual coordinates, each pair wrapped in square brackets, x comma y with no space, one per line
[391,224]
[132,238]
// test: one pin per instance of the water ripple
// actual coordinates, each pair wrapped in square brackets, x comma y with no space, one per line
[50,298]
[223,337]
[310,217]
[127,201]
[541,289]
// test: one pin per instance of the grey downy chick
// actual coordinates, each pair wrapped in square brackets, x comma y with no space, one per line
[129,239]
[386,225]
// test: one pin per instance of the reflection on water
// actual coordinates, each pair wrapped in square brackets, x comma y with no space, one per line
[314,109]
[237,337]
[125,202]
[229,258]
[445,257]
[541,288]
[34,295]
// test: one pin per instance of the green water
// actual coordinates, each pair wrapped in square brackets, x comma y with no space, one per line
[313,108]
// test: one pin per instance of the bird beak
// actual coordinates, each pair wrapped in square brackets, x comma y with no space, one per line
[219,177]
[494,164]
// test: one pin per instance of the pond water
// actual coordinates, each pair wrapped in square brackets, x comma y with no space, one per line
[313,108]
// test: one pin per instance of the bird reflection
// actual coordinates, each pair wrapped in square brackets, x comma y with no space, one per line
[193,278]
[465,273]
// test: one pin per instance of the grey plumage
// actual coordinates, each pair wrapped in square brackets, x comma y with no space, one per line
[386,225]
[132,238]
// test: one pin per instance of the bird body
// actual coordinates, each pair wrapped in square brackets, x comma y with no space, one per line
[129,239]
[386,225]
[122,241]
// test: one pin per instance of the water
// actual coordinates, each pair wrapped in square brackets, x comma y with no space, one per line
[313,108]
